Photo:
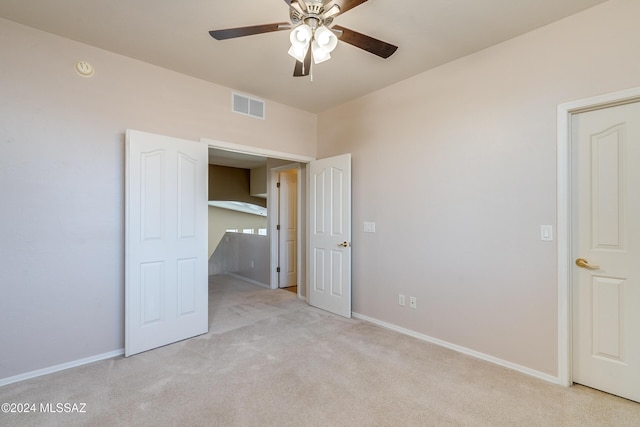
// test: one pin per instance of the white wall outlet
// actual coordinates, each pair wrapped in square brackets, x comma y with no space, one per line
[369,227]
[413,303]
[252,264]
[401,300]
[546,233]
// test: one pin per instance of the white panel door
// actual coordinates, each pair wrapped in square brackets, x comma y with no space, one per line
[288,233]
[606,277]
[166,294]
[330,234]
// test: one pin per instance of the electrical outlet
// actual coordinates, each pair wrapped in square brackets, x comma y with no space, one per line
[252,264]
[413,303]
[401,300]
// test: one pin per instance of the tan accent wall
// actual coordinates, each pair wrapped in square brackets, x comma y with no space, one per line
[232,184]
[258,182]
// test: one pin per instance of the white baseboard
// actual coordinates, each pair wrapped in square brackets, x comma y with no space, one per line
[246,279]
[61,367]
[463,350]
[454,347]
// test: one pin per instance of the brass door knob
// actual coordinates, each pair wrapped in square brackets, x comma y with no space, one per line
[344,244]
[583,263]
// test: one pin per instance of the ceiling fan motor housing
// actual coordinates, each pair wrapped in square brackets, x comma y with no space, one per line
[310,13]
[315,8]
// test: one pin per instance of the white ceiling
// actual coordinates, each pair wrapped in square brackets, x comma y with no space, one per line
[235,160]
[174,35]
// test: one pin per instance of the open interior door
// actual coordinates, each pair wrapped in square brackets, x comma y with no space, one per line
[330,234]
[288,228]
[166,294]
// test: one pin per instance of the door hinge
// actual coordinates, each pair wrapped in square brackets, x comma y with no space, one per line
[278,185]
[278,227]
[278,270]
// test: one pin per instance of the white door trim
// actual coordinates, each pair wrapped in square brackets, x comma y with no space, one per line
[273,213]
[564,216]
[256,151]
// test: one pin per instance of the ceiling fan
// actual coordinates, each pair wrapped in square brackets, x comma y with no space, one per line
[313,34]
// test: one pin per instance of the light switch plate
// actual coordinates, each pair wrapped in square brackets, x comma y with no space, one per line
[546,233]
[369,227]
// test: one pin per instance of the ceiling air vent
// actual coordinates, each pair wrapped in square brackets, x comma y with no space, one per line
[249,106]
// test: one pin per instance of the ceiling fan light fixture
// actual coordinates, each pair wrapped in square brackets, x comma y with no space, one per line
[319,54]
[299,51]
[301,35]
[325,39]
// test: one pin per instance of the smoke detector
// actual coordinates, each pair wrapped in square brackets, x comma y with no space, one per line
[84,69]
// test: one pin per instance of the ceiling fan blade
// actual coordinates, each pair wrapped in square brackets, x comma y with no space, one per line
[375,46]
[231,33]
[302,70]
[344,5]
[297,69]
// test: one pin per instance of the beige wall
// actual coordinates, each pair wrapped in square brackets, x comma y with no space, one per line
[62,184]
[222,219]
[457,168]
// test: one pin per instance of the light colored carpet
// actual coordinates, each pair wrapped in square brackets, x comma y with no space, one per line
[271,360]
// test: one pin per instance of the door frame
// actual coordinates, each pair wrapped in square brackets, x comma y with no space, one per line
[296,159]
[565,216]
[273,212]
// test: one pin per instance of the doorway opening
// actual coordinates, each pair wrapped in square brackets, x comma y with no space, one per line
[288,226]
[237,216]
[276,162]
